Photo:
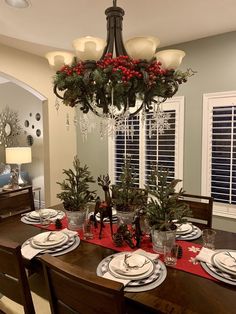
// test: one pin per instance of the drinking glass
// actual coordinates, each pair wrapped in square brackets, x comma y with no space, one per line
[44,218]
[208,238]
[170,254]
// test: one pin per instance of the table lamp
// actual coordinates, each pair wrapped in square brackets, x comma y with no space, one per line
[19,156]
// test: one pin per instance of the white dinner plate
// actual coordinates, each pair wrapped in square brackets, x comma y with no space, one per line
[218,274]
[140,288]
[149,268]
[193,235]
[140,263]
[44,211]
[184,228]
[56,238]
[220,258]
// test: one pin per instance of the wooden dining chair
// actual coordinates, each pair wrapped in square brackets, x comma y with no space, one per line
[14,284]
[201,207]
[74,290]
[16,201]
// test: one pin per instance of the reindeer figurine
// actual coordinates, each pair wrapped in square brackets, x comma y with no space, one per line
[104,208]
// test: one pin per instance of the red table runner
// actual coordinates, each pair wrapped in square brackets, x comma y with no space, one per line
[186,263]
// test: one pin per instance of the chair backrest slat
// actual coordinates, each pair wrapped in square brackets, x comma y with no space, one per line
[13,279]
[73,290]
[201,207]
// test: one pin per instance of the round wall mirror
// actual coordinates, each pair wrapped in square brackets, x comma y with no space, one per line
[8,129]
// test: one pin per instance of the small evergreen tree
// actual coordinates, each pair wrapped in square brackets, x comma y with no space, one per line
[126,194]
[164,206]
[75,188]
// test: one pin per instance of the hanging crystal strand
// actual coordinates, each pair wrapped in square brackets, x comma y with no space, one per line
[83,123]
[75,120]
[150,128]
[67,121]
[132,130]
[57,104]
[102,130]
[143,116]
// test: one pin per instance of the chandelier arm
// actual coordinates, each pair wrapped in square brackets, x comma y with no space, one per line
[120,47]
[56,93]
[137,111]
[93,110]
[114,31]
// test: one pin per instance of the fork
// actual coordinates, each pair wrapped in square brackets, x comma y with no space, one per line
[48,236]
[228,253]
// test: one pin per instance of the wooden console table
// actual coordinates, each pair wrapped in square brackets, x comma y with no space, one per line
[16,201]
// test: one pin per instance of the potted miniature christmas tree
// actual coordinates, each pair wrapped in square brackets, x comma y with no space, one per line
[76,193]
[164,208]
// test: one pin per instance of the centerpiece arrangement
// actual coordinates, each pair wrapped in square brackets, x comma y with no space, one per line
[165,210]
[113,80]
[76,193]
[126,196]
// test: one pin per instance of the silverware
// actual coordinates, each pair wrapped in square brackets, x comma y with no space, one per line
[228,253]
[128,266]
[48,237]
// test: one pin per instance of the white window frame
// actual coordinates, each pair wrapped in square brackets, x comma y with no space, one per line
[218,99]
[176,103]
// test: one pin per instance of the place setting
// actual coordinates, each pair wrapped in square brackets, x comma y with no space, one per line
[187,231]
[42,216]
[220,264]
[138,271]
[53,242]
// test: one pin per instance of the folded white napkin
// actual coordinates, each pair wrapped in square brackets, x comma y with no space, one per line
[70,233]
[107,275]
[151,256]
[29,252]
[205,255]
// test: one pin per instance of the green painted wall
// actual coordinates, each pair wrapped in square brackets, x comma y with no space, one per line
[214,59]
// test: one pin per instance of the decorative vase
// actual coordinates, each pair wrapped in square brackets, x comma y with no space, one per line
[125,217]
[75,219]
[162,238]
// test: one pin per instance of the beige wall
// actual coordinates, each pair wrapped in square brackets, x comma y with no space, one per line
[59,143]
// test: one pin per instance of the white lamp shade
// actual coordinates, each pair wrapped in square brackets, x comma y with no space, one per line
[89,48]
[20,4]
[142,47]
[18,155]
[170,59]
[57,59]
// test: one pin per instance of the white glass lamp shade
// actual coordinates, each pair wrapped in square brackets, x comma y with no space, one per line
[20,4]
[57,59]
[89,48]
[142,47]
[170,59]
[18,155]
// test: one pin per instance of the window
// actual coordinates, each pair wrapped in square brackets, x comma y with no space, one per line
[145,150]
[219,151]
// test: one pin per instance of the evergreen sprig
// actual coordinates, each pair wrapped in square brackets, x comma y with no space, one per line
[75,188]
[126,194]
[122,76]
[164,206]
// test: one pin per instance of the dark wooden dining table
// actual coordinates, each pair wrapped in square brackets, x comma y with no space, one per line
[181,292]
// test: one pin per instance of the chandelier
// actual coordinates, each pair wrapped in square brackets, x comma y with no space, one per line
[117,81]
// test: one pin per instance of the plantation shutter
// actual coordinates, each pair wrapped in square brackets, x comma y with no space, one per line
[219,151]
[223,156]
[147,147]
[127,144]
[161,148]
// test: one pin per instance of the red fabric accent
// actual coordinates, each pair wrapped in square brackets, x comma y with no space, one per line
[186,263]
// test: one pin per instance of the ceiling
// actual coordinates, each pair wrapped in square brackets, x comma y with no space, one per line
[46,25]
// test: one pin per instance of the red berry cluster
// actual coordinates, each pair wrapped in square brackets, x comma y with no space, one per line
[69,70]
[123,65]
[154,70]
